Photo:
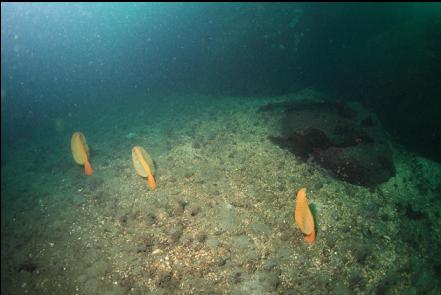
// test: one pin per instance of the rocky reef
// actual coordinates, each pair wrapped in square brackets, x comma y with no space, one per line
[345,140]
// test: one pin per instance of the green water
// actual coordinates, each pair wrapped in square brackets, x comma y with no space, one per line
[239,105]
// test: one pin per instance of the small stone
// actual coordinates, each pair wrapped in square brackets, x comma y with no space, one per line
[175,234]
[157,251]
[221,261]
[200,237]
[195,211]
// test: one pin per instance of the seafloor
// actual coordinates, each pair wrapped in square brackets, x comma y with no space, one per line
[221,219]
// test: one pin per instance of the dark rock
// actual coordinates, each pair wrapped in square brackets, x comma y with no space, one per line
[304,142]
[345,136]
[327,131]
[366,164]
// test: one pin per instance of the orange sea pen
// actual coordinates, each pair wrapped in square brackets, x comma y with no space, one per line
[303,216]
[144,165]
[80,151]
